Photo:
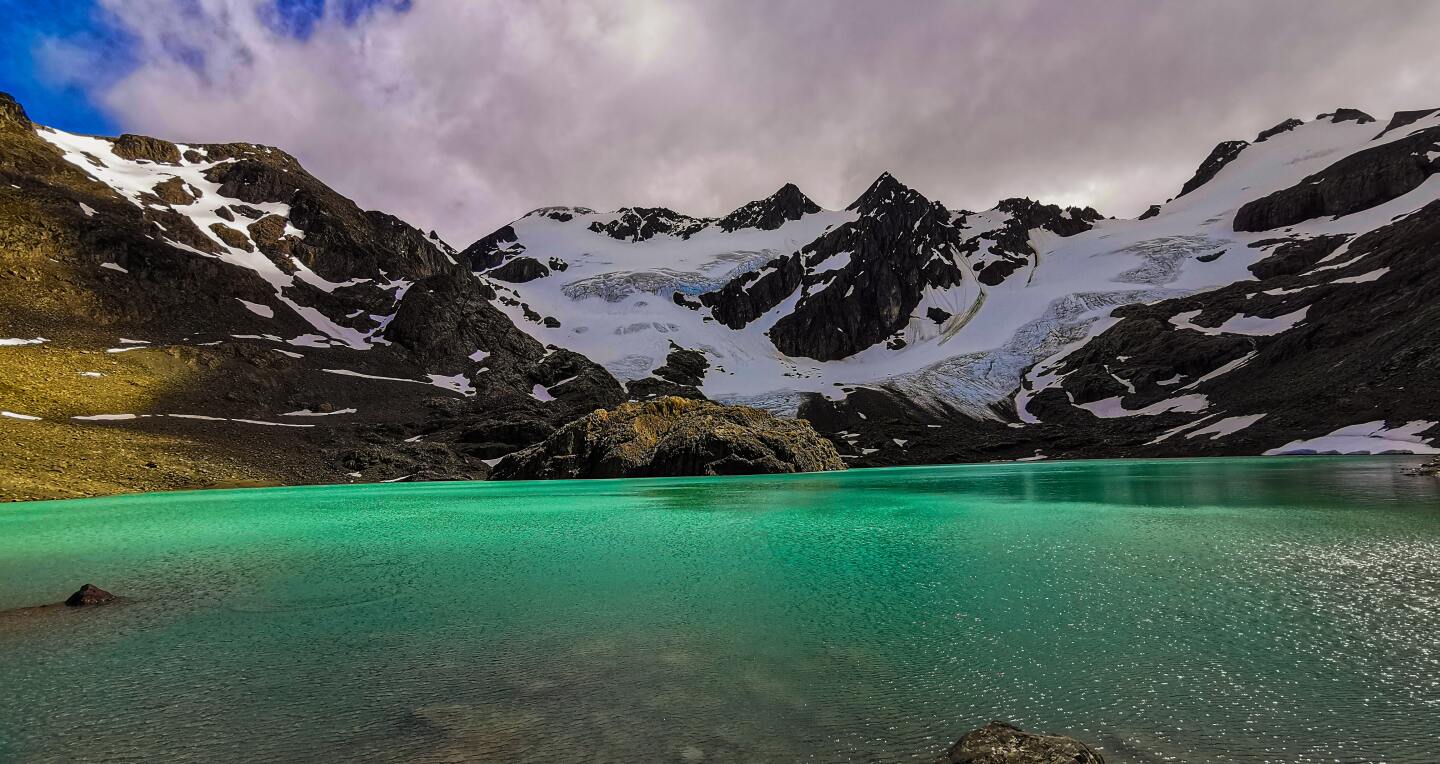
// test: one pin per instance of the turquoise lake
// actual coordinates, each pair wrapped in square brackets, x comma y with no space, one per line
[1246,610]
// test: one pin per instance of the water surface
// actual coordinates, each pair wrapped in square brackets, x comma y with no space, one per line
[1244,610]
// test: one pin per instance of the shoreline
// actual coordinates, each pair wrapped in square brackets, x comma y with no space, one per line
[244,485]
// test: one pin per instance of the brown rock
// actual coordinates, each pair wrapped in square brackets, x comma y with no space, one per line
[232,237]
[174,191]
[90,595]
[674,436]
[1003,743]
[136,147]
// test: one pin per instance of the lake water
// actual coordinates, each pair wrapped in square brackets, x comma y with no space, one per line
[1248,610]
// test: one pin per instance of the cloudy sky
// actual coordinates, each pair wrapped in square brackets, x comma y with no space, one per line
[460,115]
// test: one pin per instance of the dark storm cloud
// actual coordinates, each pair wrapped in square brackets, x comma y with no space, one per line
[463,115]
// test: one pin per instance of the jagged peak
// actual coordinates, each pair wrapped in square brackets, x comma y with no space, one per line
[1223,153]
[788,203]
[573,209]
[885,190]
[1283,127]
[1346,115]
[1018,205]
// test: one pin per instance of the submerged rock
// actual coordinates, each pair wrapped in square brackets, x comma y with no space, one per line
[90,595]
[673,436]
[1003,743]
[1431,467]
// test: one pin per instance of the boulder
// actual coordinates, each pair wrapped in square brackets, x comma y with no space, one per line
[138,147]
[670,437]
[90,595]
[519,270]
[1003,743]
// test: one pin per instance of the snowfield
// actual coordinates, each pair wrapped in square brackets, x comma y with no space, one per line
[614,301]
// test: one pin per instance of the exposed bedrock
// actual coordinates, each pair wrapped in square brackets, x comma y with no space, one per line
[1004,743]
[1358,182]
[673,436]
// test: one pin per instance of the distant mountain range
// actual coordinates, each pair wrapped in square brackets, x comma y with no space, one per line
[219,307]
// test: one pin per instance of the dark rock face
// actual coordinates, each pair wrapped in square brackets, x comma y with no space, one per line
[1347,115]
[1357,182]
[1283,127]
[642,223]
[901,243]
[683,366]
[1295,256]
[1221,155]
[771,212]
[560,214]
[492,250]
[1002,743]
[749,295]
[681,376]
[1403,118]
[519,270]
[673,437]
[1007,248]
[1150,212]
[90,595]
[1365,349]
[444,319]
[340,238]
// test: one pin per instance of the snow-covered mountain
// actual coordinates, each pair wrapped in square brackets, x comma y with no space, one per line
[176,315]
[179,315]
[1286,263]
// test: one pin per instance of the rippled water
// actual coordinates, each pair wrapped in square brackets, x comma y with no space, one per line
[1281,610]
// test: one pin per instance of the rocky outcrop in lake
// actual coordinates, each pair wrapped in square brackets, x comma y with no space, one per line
[90,595]
[1003,743]
[673,436]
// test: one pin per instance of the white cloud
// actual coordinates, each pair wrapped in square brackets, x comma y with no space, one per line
[460,116]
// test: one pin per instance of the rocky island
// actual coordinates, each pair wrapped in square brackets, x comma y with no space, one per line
[673,436]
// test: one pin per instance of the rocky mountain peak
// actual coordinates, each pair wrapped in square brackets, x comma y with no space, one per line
[1403,118]
[1001,251]
[1223,153]
[1283,127]
[789,203]
[886,191]
[1346,115]
[640,223]
[12,114]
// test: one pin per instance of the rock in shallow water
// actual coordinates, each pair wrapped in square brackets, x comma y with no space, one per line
[673,437]
[1002,743]
[90,595]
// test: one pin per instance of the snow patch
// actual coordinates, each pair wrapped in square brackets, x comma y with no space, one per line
[1253,326]
[1367,438]
[264,311]
[14,415]
[1111,408]
[1226,426]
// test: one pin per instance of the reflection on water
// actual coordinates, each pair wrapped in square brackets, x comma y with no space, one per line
[1227,610]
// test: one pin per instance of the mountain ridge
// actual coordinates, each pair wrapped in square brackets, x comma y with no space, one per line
[216,311]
